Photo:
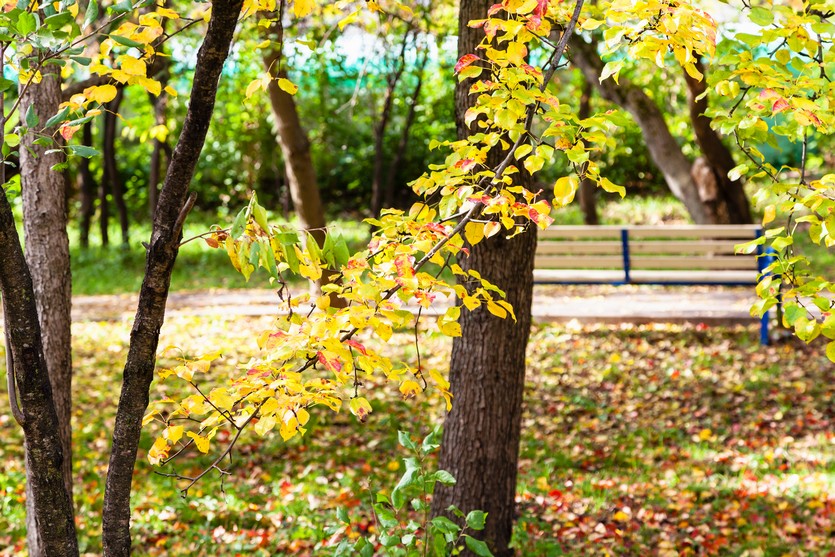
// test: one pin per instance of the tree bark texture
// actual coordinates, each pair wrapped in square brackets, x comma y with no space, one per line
[160,104]
[48,260]
[704,207]
[87,187]
[110,177]
[717,155]
[480,446]
[163,247]
[588,189]
[51,501]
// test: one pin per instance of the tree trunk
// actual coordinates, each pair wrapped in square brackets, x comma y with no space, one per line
[295,149]
[480,444]
[48,261]
[174,203]
[377,178]
[717,155]
[405,134]
[87,187]
[588,189]
[111,171]
[160,104]
[705,207]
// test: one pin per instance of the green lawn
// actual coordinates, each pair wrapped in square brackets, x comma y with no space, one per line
[637,441]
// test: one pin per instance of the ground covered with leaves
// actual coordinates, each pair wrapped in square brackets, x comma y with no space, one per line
[652,440]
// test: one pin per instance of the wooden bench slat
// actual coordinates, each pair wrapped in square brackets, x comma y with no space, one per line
[743,232]
[683,247]
[570,247]
[694,262]
[598,276]
[578,262]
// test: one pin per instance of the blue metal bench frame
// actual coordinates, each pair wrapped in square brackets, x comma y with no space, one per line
[764,259]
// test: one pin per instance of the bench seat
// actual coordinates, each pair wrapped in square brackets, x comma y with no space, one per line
[659,277]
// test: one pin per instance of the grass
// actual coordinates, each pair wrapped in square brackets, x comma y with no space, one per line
[118,269]
[636,441]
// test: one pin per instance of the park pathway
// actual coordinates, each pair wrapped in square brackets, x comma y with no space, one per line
[635,304]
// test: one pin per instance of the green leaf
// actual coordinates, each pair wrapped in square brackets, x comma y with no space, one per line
[239,224]
[476,520]
[477,546]
[762,16]
[31,118]
[92,13]
[444,477]
[445,525]
[26,23]
[406,441]
[342,515]
[124,41]
[341,253]
[82,151]
[58,117]
[58,20]
[830,351]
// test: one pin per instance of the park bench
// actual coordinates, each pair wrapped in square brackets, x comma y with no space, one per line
[681,255]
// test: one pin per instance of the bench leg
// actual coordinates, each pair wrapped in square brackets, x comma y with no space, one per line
[764,340]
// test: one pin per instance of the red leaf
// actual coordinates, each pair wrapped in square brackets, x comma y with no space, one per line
[465,61]
[779,106]
[357,345]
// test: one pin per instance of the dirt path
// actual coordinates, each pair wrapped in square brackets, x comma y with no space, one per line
[639,304]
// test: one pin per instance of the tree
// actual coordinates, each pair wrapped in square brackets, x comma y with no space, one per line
[51,498]
[48,259]
[708,200]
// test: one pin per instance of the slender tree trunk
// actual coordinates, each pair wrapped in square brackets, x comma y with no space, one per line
[487,368]
[104,205]
[48,260]
[174,204]
[380,128]
[111,170]
[405,134]
[28,305]
[295,149]
[160,104]
[718,156]
[704,207]
[588,189]
[87,186]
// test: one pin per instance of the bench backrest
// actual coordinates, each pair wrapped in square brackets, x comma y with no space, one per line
[647,248]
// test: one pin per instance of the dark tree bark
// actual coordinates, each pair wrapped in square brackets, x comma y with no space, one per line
[588,189]
[405,134]
[87,187]
[380,128]
[717,155]
[110,177]
[480,444]
[704,206]
[174,204]
[48,261]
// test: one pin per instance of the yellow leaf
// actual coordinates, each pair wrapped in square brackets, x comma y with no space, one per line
[410,388]
[474,232]
[173,433]
[170,90]
[564,190]
[153,86]
[769,214]
[287,86]
[221,398]
[496,310]
[302,8]
[101,93]
[360,408]
[620,516]
[170,14]
[705,434]
[131,65]
[491,228]
[253,87]
[449,328]
[200,442]
[158,451]
[265,425]
[471,302]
